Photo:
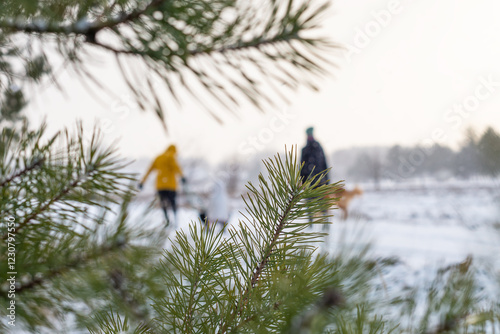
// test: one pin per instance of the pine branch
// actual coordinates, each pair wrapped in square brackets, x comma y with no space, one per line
[36,164]
[136,53]
[257,43]
[189,315]
[57,202]
[330,298]
[79,262]
[117,278]
[108,323]
[262,264]
[49,203]
[88,29]
[170,38]
[283,193]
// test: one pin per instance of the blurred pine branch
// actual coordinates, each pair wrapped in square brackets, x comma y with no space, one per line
[229,51]
[69,201]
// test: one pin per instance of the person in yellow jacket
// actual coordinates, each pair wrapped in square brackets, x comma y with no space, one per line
[166,181]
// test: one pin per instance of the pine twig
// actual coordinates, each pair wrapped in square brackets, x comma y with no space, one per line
[79,261]
[117,278]
[254,44]
[34,165]
[47,205]
[89,31]
[262,264]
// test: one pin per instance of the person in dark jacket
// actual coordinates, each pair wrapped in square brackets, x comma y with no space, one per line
[313,159]
[314,162]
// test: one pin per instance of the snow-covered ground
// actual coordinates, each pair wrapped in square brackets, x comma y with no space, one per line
[419,223]
[438,223]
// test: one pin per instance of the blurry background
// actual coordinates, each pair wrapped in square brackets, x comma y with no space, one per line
[411,73]
[410,114]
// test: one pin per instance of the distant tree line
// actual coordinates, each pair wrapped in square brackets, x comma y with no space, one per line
[478,155]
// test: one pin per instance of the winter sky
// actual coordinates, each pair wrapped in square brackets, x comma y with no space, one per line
[413,71]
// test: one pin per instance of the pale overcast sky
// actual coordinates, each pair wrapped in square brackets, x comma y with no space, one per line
[414,71]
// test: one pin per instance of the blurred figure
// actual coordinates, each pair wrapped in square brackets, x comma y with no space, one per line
[218,208]
[314,162]
[313,159]
[166,182]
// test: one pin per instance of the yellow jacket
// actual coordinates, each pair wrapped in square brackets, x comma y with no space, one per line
[167,168]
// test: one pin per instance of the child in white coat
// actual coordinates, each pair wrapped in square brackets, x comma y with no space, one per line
[218,208]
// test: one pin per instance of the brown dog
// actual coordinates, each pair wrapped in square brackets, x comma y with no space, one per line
[345,197]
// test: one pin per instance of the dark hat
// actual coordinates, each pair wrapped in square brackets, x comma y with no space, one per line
[309,131]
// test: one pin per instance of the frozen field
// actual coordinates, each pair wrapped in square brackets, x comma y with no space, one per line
[440,223]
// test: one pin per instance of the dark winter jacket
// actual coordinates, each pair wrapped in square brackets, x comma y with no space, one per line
[314,160]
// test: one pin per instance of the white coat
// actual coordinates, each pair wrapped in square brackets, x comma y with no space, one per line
[218,208]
